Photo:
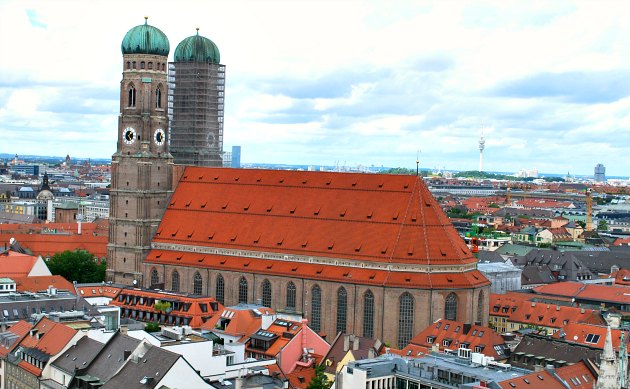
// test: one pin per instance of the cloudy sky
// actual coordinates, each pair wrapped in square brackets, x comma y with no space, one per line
[343,82]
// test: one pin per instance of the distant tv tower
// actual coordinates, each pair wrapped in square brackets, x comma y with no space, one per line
[482,145]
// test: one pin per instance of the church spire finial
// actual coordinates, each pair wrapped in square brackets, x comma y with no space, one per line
[146,20]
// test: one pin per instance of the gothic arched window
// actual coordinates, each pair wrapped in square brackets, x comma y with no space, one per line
[316,308]
[158,97]
[450,307]
[175,281]
[242,290]
[197,284]
[131,98]
[405,319]
[266,293]
[155,277]
[220,289]
[291,292]
[342,309]
[368,314]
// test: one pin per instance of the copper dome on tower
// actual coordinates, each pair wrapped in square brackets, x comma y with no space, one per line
[145,39]
[197,48]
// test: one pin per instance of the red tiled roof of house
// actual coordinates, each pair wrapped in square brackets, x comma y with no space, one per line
[622,242]
[370,217]
[48,337]
[279,328]
[48,245]
[551,315]
[593,292]
[543,203]
[13,264]
[622,277]
[41,283]
[579,333]
[241,321]
[454,333]
[129,300]
[578,375]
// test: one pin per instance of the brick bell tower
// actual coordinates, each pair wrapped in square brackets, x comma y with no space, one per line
[142,167]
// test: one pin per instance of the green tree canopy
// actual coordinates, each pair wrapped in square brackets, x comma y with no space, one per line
[319,381]
[78,265]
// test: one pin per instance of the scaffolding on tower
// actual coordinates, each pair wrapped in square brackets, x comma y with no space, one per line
[195,110]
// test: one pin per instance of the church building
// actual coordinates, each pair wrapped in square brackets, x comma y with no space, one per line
[369,254]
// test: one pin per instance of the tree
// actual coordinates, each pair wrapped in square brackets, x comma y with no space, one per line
[152,326]
[602,225]
[319,381]
[78,265]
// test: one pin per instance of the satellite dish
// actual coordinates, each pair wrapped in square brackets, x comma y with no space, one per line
[135,282]
[11,241]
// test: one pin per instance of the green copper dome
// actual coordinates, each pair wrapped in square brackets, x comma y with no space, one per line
[145,39]
[197,48]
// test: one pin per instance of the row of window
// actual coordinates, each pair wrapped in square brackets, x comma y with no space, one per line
[131,96]
[405,304]
[149,65]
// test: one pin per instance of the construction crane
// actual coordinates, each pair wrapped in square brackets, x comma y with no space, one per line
[507,195]
[589,210]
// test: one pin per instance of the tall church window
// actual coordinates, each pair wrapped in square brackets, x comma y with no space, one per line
[480,307]
[128,65]
[242,290]
[368,314]
[175,281]
[291,292]
[450,307]
[155,277]
[158,98]
[134,64]
[266,293]
[197,284]
[220,289]
[150,65]
[342,309]
[316,308]
[142,65]
[131,98]
[405,319]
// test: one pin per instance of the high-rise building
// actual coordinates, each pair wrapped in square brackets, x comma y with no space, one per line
[600,173]
[141,166]
[236,156]
[196,94]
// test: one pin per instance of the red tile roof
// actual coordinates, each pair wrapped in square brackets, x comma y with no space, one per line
[552,315]
[20,329]
[41,283]
[129,300]
[453,332]
[241,322]
[14,264]
[48,245]
[593,292]
[579,333]
[370,217]
[576,376]
[48,337]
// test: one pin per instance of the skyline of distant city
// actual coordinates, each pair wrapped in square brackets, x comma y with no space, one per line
[546,85]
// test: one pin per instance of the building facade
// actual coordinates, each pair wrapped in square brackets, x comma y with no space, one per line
[141,166]
[196,98]
[367,254]
[600,173]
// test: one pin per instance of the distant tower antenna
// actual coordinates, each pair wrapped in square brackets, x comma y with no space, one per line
[589,210]
[482,145]
[418,163]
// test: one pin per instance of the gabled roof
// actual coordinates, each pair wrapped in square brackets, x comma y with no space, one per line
[155,364]
[112,357]
[14,264]
[10,338]
[360,347]
[551,315]
[536,348]
[369,217]
[457,333]
[79,356]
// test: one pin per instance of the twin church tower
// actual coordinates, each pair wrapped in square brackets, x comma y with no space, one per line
[170,113]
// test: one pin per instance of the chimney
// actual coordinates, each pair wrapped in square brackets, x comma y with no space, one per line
[371,353]
[346,342]
[355,342]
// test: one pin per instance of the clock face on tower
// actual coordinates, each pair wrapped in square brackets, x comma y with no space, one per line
[129,135]
[159,137]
